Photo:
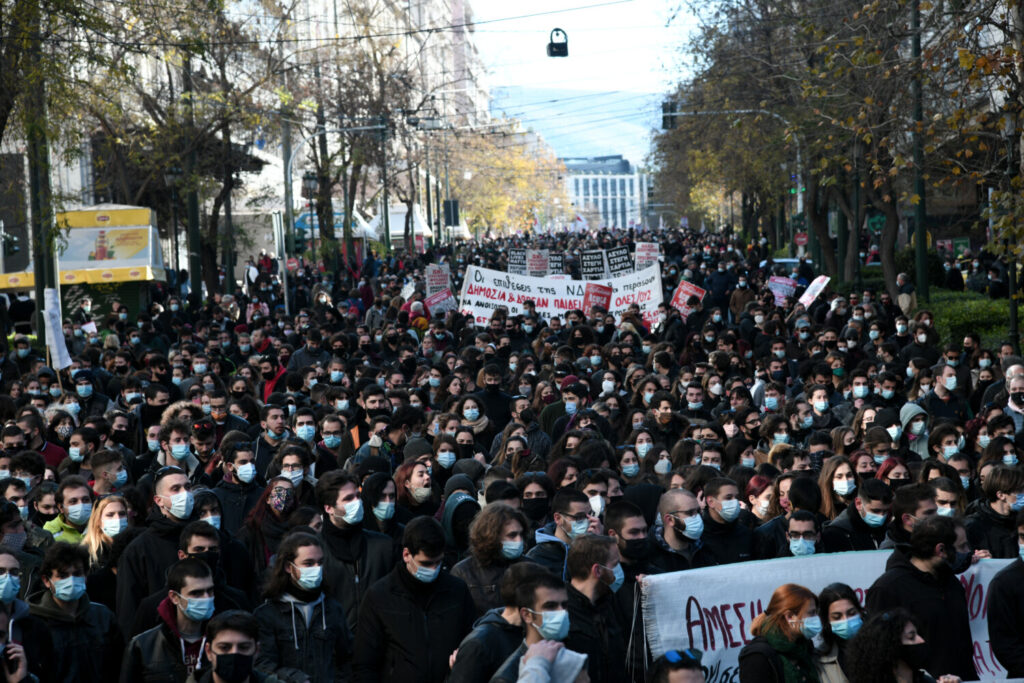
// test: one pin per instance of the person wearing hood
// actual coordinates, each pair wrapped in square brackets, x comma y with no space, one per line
[573,518]
[496,403]
[173,650]
[724,537]
[413,618]
[355,556]
[497,633]
[23,629]
[303,633]
[861,526]
[924,579]
[458,509]
[238,490]
[87,643]
[914,421]
[496,542]
[992,526]
[142,569]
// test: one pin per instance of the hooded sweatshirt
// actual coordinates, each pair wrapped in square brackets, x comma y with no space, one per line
[191,648]
[918,443]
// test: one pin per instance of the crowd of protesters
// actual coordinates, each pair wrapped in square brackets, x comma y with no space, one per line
[351,487]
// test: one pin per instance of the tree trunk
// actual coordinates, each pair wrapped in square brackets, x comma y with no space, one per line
[817,219]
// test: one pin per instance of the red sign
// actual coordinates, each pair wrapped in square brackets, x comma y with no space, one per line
[292,264]
[800,239]
[596,295]
[683,292]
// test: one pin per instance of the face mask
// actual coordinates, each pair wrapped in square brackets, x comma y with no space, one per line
[176,381]
[762,508]
[643,448]
[245,473]
[730,510]
[693,527]
[949,451]
[873,520]
[631,470]
[1010,460]
[607,386]
[510,550]
[663,466]
[296,476]
[844,487]
[620,577]
[445,459]
[810,627]
[748,461]
[181,504]
[821,406]
[922,339]
[801,547]
[69,589]
[780,438]
[771,402]
[917,427]
[860,391]
[471,414]
[945,512]
[341,404]
[179,451]
[570,407]
[894,432]
[961,562]
[9,587]
[78,514]
[305,432]
[426,575]
[212,520]
[950,383]
[847,628]
[577,528]
[75,453]
[84,390]
[421,493]
[554,624]
[690,405]
[310,577]
[384,511]
[353,512]
[332,441]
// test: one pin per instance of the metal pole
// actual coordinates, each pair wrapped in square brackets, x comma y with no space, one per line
[194,262]
[386,211]
[426,165]
[229,228]
[920,233]
[174,232]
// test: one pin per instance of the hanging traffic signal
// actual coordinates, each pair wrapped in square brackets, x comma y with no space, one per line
[558,43]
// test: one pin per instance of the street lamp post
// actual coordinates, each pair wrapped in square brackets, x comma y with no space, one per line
[172,176]
[310,189]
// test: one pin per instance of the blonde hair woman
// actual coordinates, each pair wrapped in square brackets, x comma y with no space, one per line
[108,519]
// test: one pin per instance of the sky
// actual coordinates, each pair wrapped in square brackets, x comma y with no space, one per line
[605,97]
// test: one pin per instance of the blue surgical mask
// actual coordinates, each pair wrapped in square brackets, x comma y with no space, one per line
[353,511]
[845,629]
[305,432]
[780,438]
[79,513]
[84,390]
[801,547]
[445,459]
[810,627]
[471,414]
[554,626]
[807,422]
[75,453]
[771,402]
[949,451]
[965,482]
[426,575]
[620,577]
[384,511]
[181,504]
[631,470]
[577,528]
[844,487]
[663,466]
[245,473]
[730,509]
[693,527]
[1019,503]
[887,394]
[9,587]
[874,520]
[510,550]
[197,609]
[642,449]
[1010,459]
[179,451]
[310,577]
[332,441]
[570,407]
[213,520]
[112,526]
[69,589]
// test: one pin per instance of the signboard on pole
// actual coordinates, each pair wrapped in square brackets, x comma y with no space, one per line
[781,287]
[556,264]
[619,261]
[683,292]
[646,254]
[537,262]
[596,295]
[437,277]
[517,261]
[814,289]
[440,302]
[592,264]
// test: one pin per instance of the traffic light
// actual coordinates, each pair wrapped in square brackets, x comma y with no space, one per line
[558,43]
[451,212]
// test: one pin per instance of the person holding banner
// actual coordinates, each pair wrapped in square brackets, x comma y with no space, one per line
[1006,610]
[782,650]
[890,648]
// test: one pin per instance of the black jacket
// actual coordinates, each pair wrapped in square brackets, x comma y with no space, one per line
[294,651]
[408,629]
[236,500]
[770,538]
[728,542]
[664,559]
[34,636]
[485,649]
[550,552]
[595,631]
[991,531]
[508,672]
[849,532]
[1006,618]
[224,598]
[940,605]
[143,566]
[354,560]
[155,656]
[483,582]
[87,644]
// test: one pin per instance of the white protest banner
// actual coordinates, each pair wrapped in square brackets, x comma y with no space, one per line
[59,356]
[781,287]
[537,262]
[711,609]
[619,261]
[408,290]
[517,261]
[814,289]
[646,254]
[485,290]
[437,278]
[683,292]
[440,302]
[592,264]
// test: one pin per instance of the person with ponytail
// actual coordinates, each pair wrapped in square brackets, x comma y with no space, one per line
[782,651]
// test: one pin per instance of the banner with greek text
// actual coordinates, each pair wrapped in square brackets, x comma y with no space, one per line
[437,277]
[646,254]
[556,264]
[485,290]
[711,609]
[592,264]
[619,261]
[781,288]
[517,261]
[536,262]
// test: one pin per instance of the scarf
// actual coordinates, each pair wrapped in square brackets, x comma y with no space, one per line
[796,657]
[479,425]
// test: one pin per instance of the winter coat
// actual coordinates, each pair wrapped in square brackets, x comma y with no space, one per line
[486,647]
[352,564]
[142,569]
[294,647]
[236,500]
[157,655]
[87,643]
[595,631]
[727,542]
[1006,618]
[64,531]
[407,629]
[484,583]
[849,531]
[550,552]
[991,531]
[666,559]
[940,605]
[32,634]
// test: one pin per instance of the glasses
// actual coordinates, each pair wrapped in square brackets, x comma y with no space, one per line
[807,536]
[13,571]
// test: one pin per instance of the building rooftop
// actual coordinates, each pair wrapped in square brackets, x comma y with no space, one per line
[607,164]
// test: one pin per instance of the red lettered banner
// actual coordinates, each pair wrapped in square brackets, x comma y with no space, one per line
[683,292]
[596,295]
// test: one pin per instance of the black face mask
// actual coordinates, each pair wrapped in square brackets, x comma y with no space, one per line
[44,518]
[915,656]
[378,412]
[536,508]
[234,668]
[210,557]
[1018,397]
[636,548]
[959,562]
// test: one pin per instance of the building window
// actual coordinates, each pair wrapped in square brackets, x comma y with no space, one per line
[614,188]
[622,186]
[622,212]
[604,187]
[576,184]
[604,212]
[632,193]
[586,187]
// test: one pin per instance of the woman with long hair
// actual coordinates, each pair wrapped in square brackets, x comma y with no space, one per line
[889,649]
[497,539]
[267,523]
[782,650]
[759,497]
[415,494]
[380,496]
[302,631]
[108,520]
[838,484]
[841,619]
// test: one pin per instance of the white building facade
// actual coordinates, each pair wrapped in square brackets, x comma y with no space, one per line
[608,187]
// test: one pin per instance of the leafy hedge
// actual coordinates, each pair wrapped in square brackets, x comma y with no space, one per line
[959,313]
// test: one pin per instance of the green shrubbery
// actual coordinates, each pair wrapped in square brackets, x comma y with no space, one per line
[960,313]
